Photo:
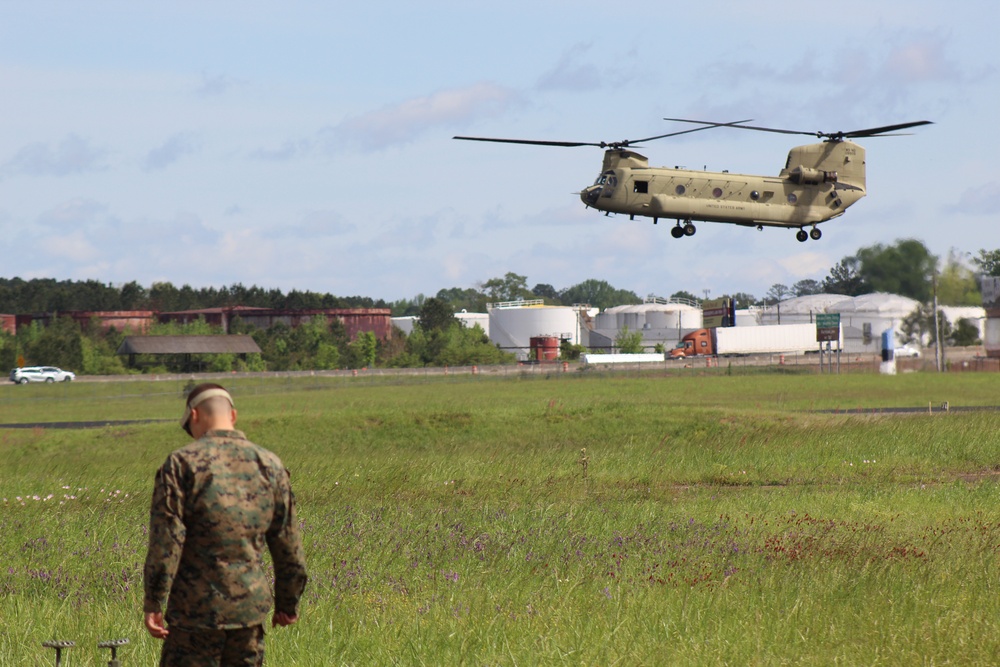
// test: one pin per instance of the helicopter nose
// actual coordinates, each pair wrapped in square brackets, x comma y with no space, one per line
[590,195]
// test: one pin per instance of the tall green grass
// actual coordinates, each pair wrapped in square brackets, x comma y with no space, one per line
[560,520]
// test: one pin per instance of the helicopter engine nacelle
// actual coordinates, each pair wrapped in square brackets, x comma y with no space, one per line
[808,176]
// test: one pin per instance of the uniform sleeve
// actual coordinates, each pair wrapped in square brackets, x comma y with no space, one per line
[284,540]
[166,535]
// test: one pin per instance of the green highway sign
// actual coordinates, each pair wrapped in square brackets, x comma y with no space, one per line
[828,327]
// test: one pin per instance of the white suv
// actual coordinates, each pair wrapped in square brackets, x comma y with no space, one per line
[40,374]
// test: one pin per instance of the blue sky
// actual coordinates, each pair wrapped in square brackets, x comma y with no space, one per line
[308,146]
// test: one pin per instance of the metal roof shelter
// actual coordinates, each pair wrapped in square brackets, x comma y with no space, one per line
[187,345]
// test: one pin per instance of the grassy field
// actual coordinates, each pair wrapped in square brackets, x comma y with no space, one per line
[572,519]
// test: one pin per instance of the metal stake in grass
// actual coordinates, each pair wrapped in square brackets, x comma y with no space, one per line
[58,646]
[113,644]
[584,460]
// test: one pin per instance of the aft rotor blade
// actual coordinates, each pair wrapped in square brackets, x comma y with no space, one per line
[836,136]
[743,127]
[888,128]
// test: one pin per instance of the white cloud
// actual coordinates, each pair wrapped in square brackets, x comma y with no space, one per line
[218,84]
[404,122]
[981,200]
[76,213]
[73,155]
[573,72]
[920,59]
[73,247]
[312,225]
[805,264]
[170,151]
[287,151]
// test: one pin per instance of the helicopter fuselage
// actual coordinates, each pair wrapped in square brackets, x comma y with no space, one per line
[819,182]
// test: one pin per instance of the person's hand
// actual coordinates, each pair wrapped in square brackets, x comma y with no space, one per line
[154,624]
[282,619]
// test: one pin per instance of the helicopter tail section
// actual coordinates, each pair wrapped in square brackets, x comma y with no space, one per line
[839,162]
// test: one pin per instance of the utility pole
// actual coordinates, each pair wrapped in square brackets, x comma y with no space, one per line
[938,352]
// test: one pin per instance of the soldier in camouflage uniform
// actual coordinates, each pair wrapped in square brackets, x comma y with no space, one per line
[216,503]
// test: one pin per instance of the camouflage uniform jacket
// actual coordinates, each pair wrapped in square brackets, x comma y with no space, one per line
[216,503]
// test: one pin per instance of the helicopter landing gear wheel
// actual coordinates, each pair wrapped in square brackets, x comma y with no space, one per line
[677,232]
[689,229]
[815,234]
[801,236]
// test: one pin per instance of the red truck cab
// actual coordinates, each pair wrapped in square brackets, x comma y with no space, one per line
[694,343]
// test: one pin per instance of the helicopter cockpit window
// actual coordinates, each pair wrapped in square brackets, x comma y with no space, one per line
[609,182]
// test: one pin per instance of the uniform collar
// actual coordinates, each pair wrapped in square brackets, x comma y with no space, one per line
[224,433]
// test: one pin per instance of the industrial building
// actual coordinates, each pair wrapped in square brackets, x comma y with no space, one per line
[355,320]
[862,318]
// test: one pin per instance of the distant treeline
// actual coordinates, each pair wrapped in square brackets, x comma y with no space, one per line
[46,295]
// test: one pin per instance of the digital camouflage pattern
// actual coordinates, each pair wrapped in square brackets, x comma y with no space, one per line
[232,648]
[216,504]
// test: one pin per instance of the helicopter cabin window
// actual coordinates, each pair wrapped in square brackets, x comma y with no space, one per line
[792,198]
[680,189]
[717,192]
[640,187]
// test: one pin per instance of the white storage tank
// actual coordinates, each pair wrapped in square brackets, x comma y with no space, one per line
[405,323]
[514,324]
[661,321]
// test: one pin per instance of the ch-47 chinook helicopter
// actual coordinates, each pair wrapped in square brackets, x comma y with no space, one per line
[819,182]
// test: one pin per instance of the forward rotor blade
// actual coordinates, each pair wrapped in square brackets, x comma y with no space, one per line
[612,144]
[708,126]
[533,142]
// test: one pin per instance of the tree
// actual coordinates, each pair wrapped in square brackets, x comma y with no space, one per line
[407,307]
[904,268]
[629,342]
[570,351]
[807,287]
[685,295]
[988,262]
[845,278]
[58,344]
[597,293]
[467,346]
[363,349]
[919,326]
[776,294]
[965,333]
[436,315]
[509,288]
[956,284]
[470,300]
[133,296]
[545,291]
[743,300]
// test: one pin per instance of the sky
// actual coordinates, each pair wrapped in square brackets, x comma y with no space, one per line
[308,145]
